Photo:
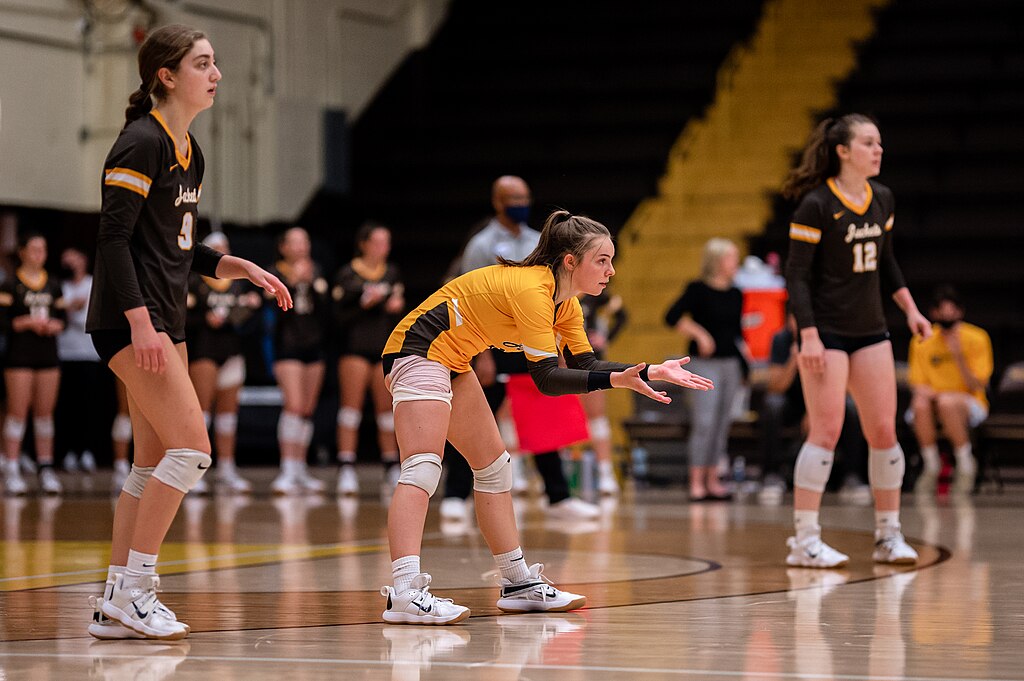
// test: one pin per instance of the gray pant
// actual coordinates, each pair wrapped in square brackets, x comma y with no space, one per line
[711,411]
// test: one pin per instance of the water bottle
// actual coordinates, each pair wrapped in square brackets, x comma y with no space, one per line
[739,470]
[639,459]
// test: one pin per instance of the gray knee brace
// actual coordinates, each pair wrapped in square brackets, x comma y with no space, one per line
[886,467]
[137,479]
[813,466]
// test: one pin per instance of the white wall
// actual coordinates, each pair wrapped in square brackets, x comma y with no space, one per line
[284,62]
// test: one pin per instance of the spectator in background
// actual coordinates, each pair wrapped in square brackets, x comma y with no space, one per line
[121,439]
[604,317]
[784,407]
[33,316]
[218,311]
[79,409]
[368,298]
[709,312]
[299,340]
[507,236]
[949,374]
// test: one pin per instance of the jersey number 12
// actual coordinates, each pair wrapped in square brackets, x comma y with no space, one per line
[185,235]
[865,257]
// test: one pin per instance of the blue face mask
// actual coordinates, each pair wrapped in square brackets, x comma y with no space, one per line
[519,214]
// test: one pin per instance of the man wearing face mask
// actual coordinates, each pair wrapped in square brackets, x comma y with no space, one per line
[949,374]
[507,235]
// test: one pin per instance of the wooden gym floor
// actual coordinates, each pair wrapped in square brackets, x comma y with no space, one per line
[288,588]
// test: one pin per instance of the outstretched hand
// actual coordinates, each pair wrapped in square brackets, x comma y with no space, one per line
[630,378]
[672,370]
[272,285]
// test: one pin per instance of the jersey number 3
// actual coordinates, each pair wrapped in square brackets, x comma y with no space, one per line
[187,230]
[865,257]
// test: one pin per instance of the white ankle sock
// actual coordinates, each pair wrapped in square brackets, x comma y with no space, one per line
[139,565]
[806,524]
[964,455]
[403,570]
[930,457]
[605,469]
[887,523]
[114,570]
[512,565]
[346,458]
[226,468]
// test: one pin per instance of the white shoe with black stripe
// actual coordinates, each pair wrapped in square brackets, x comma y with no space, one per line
[537,594]
[138,608]
[416,605]
[106,629]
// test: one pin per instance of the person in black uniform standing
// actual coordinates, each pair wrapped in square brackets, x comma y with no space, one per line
[840,264]
[34,316]
[219,309]
[368,299]
[299,340]
[146,247]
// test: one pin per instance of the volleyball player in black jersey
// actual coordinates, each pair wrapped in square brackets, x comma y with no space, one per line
[146,247]
[840,264]
[299,340]
[368,299]
[219,309]
[33,314]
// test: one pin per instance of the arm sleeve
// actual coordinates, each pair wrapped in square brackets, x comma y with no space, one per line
[131,167]
[804,237]
[683,305]
[205,260]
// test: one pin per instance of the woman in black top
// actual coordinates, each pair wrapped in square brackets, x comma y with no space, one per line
[368,301]
[33,316]
[840,264]
[152,183]
[709,313]
[299,340]
[219,309]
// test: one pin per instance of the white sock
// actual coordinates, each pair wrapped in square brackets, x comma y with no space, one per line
[226,467]
[930,456]
[403,570]
[887,523]
[291,466]
[806,524]
[605,469]
[114,570]
[139,565]
[512,566]
[964,455]
[347,458]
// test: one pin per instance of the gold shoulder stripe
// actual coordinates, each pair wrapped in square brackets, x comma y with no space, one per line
[128,179]
[889,222]
[799,232]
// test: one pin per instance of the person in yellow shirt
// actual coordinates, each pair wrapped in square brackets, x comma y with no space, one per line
[949,374]
[527,306]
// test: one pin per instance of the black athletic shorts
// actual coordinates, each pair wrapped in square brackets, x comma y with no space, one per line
[310,355]
[109,342]
[848,344]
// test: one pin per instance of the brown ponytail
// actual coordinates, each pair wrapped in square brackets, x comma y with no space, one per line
[163,48]
[820,160]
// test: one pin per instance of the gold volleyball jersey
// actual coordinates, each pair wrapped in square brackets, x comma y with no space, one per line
[502,307]
[932,364]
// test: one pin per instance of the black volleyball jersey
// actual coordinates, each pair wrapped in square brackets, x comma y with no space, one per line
[235,302]
[305,326]
[841,260]
[41,298]
[364,330]
[147,243]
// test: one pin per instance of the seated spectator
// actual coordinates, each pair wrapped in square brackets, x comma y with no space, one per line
[784,407]
[949,374]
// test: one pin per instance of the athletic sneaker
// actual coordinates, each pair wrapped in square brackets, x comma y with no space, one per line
[28,465]
[233,483]
[963,479]
[201,487]
[926,483]
[607,484]
[574,509]
[893,550]
[348,481]
[106,629]
[286,483]
[70,462]
[454,508]
[391,475]
[87,462]
[49,483]
[138,608]
[416,605]
[814,553]
[537,594]
[855,493]
[520,480]
[309,483]
[14,484]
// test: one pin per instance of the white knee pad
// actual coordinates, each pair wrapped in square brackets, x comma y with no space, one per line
[14,429]
[207,419]
[507,431]
[232,373]
[423,471]
[307,432]
[225,424]
[182,468]
[137,479]
[349,417]
[600,428]
[886,467]
[386,421]
[289,427]
[813,466]
[43,426]
[122,429]
[495,478]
